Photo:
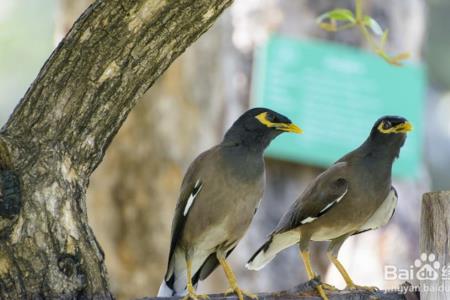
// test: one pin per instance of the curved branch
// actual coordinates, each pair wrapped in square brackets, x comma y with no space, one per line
[114,52]
[59,132]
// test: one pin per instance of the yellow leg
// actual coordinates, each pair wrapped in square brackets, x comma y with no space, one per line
[329,287]
[310,273]
[191,294]
[234,288]
[350,284]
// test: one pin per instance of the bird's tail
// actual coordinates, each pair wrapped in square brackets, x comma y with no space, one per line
[165,290]
[174,282]
[276,243]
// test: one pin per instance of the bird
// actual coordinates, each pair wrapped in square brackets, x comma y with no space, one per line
[352,196]
[219,196]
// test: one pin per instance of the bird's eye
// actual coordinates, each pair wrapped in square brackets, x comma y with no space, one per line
[270,118]
[387,125]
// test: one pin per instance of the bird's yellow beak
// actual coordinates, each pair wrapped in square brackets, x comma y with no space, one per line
[288,127]
[404,127]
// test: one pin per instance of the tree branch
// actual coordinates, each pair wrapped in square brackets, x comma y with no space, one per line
[306,291]
[111,56]
[60,130]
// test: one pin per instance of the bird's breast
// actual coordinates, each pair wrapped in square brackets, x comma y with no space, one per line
[383,214]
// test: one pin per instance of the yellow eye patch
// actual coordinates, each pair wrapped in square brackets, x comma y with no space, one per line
[262,117]
[400,128]
[289,127]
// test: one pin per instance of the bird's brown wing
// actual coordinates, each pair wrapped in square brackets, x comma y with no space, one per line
[190,188]
[328,189]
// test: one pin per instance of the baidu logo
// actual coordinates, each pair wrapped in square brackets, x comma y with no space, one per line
[426,267]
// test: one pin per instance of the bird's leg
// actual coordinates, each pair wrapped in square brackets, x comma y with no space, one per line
[234,288]
[350,284]
[191,293]
[304,254]
[329,287]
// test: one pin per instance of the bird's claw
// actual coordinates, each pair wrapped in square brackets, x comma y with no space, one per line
[193,296]
[240,293]
[320,290]
[329,287]
[362,288]
[321,287]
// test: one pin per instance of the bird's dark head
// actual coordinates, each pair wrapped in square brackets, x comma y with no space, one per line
[257,127]
[391,127]
[390,131]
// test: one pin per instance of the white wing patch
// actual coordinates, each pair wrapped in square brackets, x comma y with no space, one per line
[333,203]
[197,187]
[324,210]
[307,220]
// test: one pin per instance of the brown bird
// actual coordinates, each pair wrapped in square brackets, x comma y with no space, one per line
[352,196]
[219,196]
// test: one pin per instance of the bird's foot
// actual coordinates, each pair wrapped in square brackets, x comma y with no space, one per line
[194,296]
[321,291]
[361,287]
[329,287]
[240,293]
[321,287]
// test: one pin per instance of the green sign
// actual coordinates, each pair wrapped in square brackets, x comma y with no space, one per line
[335,94]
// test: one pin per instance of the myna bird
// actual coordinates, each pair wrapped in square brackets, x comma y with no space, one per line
[219,196]
[352,196]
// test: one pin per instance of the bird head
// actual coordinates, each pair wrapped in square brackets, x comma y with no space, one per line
[390,131]
[392,125]
[259,126]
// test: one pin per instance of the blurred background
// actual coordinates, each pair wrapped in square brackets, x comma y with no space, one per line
[259,52]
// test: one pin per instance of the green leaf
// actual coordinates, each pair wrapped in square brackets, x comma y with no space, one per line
[328,26]
[337,15]
[373,25]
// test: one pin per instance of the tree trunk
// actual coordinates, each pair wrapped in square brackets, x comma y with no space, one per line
[59,132]
[435,245]
[132,195]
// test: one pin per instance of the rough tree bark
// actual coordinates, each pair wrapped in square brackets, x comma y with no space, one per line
[132,194]
[59,132]
[434,241]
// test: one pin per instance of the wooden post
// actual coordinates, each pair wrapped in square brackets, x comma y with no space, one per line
[435,243]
